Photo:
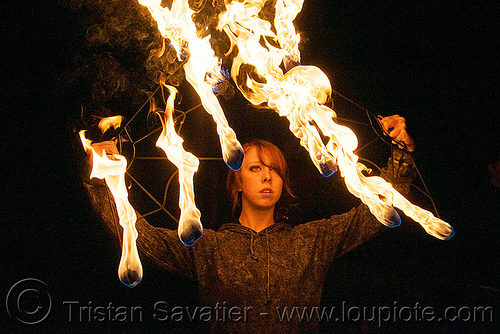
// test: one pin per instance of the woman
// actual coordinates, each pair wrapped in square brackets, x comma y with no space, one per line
[250,270]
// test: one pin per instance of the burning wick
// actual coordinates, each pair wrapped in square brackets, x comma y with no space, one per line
[113,172]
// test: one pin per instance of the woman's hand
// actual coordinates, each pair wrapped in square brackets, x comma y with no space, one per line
[395,127]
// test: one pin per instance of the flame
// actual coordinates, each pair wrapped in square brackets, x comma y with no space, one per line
[108,122]
[299,94]
[190,228]
[202,68]
[112,170]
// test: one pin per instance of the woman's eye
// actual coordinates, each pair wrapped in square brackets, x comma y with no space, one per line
[255,168]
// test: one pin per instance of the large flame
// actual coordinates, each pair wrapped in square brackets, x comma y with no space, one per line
[112,169]
[299,94]
[202,68]
[190,228]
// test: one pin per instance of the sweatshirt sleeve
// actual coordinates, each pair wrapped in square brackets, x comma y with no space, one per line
[339,234]
[160,246]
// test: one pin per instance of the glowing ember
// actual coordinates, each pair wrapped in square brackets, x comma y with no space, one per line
[298,95]
[112,170]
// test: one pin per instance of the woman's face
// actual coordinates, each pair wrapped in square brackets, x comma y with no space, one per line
[261,185]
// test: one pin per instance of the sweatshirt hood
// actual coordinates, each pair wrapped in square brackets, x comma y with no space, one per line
[236,226]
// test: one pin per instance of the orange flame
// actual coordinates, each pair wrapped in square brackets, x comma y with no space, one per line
[202,68]
[112,170]
[299,95]
[190,228]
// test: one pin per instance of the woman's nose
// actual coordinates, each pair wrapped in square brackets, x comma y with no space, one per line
[266,175]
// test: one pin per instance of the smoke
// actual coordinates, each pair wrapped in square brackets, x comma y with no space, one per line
[117,57]
[122,54]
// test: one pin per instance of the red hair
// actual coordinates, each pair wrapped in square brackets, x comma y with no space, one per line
[270,156]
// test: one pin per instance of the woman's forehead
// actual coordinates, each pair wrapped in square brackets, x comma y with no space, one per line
[254,154]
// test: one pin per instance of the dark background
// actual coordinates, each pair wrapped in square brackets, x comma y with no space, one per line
[433,63]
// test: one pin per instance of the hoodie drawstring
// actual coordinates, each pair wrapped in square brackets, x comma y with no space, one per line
[268,270]
[254,256]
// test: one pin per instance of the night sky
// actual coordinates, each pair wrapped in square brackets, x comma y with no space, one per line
[435,63]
